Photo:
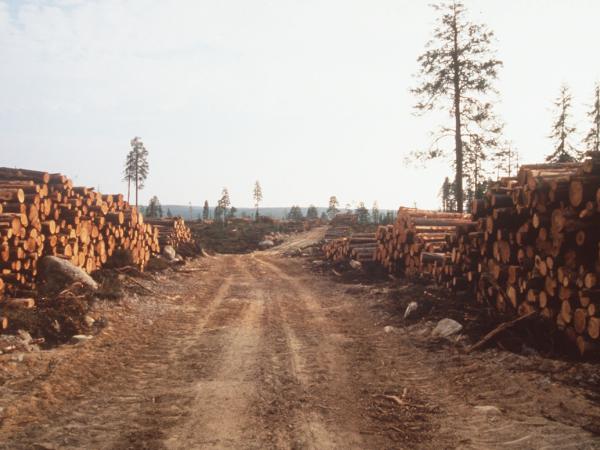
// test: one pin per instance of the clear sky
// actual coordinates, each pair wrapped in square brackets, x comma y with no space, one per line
[311,97]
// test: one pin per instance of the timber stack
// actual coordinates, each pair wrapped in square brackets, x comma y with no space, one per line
[416,243]
[44,214]
[171,231]
[359,247]
[536,248]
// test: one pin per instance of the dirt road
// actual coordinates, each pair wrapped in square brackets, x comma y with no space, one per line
[255,351]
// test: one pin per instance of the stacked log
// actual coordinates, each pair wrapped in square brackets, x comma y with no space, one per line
[536,248]
[419,232]
[44,214]
[171,231]
[359,247]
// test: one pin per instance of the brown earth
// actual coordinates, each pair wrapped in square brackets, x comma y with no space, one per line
[257,351]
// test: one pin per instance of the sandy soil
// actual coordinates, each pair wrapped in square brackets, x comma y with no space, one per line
[257,351]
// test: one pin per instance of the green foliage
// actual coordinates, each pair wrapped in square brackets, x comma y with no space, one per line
[154,209]
[136,167]
[332,210]
[205,211]
[295,213]
[447,193]
[362,213]
[257,195]
[375,214]
[223,204]
[312,212]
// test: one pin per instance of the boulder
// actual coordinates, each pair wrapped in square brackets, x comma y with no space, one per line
[169,253]
[59,273]
[263,245]
[445,328]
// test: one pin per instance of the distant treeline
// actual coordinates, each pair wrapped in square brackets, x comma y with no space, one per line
[276,213]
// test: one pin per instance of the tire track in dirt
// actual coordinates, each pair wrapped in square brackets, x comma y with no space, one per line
[137,396]
[326,413]
[445,405]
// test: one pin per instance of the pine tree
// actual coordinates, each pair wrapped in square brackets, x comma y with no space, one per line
[562,130]
[312,212]
[169,213]
[362,213]
[139,165]
[375,212]
[333,204]
[506,160]
[592,139]
[205,211]
[295,213]
[324,216]
[224,203]
[257,195]
[457,72]
[447,195]
[154,209]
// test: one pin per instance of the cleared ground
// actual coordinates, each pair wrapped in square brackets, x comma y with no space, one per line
[257,351]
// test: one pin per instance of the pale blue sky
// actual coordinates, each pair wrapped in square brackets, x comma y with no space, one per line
[310,97]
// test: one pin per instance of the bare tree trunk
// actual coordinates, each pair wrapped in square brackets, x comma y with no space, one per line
[136,181]
[128,187]
[457,132]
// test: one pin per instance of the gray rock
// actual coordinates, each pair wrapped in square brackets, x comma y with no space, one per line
[263,245]
[356,265]
[445,328]
[25,336]
[59,273]
[169,253]
[411,309]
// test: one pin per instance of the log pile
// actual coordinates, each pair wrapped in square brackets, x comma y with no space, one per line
[171,231]
[359,247]
[44,214]
[418,239]
[536,248]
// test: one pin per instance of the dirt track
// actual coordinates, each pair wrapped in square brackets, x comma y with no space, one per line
[255,351]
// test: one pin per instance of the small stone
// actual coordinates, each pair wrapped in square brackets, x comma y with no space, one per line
[148,322]
[89,321]
[411,309]
[78,338]
[489,410]
[389,329]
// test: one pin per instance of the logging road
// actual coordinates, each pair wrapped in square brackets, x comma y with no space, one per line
[255,351]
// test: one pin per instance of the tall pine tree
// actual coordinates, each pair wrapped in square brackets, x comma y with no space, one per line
[457,71]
